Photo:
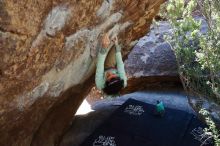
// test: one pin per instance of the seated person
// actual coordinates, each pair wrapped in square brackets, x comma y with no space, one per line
[110,76]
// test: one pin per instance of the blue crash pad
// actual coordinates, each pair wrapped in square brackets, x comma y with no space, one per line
[134,124]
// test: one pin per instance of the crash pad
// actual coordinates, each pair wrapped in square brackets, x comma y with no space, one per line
[135,124]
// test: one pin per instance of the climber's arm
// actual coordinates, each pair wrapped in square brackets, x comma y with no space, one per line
[100,73]
[99,76]
[120,64]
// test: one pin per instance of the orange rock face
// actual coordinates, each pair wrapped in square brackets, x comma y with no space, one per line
[47,60]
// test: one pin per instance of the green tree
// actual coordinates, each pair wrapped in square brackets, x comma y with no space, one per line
[197,53]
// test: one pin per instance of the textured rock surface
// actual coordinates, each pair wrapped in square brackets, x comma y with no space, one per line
[47,54]
[152,62]
[152,56]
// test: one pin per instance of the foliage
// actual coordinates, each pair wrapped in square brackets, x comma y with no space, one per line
[211,132]
[197,52]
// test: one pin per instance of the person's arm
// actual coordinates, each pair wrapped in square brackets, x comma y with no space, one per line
[100,73]
[120,64]
[99,76]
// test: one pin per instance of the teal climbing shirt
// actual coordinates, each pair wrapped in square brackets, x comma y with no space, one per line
[100,70]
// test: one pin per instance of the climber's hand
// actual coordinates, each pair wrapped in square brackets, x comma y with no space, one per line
[105,41]
[115,40]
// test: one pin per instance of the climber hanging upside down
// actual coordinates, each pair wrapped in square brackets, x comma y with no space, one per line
[110,72]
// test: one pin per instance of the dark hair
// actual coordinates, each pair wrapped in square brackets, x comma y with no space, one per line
[113,86]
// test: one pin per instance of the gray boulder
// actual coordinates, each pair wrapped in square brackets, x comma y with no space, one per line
[152,55]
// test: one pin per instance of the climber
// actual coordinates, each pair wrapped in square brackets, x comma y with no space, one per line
[159,110]
[110,75]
